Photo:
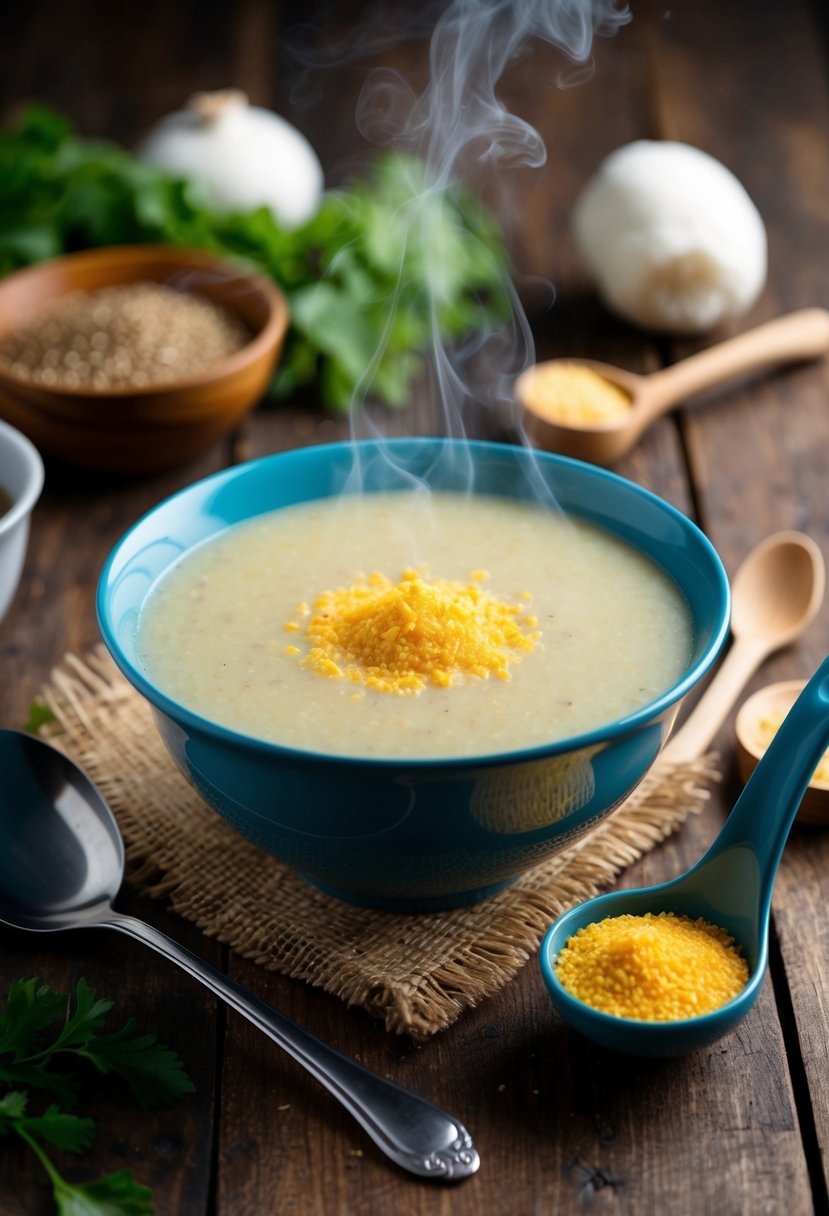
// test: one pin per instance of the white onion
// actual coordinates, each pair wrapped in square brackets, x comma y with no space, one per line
[242,156]
[671,237]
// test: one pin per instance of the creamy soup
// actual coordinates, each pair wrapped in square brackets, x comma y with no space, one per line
[225,631]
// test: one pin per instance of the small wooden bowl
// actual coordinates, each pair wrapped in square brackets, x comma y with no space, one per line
[142,431]
[776,698]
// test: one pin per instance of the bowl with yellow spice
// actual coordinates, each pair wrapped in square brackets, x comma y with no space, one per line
[133,359]
[758,720]
[413,668]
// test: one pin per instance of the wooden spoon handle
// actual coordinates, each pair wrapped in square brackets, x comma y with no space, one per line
[799,335]
[694,736]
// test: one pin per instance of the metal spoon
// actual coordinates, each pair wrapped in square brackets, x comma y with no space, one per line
[800,335]
[61,866]
[730,886]
[775,594]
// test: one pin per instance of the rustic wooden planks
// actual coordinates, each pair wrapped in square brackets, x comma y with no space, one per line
[561,1126]
[760,460]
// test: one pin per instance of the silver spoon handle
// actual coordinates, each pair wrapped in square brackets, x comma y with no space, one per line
[418,1135]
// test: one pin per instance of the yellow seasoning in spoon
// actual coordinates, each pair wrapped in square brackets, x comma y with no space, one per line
[574,395]
[767,726]
[657,967]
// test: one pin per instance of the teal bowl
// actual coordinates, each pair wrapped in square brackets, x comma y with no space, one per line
[406,834]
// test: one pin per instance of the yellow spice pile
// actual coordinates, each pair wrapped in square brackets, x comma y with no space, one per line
[571,393]
[658,968]
[768,726]
[399,637]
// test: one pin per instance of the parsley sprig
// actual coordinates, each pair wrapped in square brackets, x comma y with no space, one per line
[43,1036]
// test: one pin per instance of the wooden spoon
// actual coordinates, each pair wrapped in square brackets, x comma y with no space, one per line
[776,593]
[800,335]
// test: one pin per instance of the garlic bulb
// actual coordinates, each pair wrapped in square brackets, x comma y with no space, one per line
[242,156]
[671,237]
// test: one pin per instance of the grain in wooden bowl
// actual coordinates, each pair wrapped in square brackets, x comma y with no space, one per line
[132,359]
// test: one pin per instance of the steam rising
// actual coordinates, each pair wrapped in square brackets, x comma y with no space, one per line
[459,112]
[460,128]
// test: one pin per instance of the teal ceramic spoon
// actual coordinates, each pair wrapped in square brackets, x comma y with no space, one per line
[730,886]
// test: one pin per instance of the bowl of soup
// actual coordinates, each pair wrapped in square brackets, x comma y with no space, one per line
[413,669]
[21,481]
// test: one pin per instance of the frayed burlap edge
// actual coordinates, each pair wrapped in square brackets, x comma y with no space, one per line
[417,973]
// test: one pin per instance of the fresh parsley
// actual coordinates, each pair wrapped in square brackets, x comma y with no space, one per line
[39,715]
[43,1035]
[383,268]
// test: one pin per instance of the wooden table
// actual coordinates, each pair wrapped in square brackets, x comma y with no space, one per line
[562,1127]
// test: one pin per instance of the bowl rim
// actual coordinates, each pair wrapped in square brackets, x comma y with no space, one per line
[604,734]
[23,504]
[186,257]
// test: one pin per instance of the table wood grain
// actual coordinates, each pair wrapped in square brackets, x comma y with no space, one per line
[742,1127]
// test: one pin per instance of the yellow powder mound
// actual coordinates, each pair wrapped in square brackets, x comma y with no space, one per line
[401,637]
[570,393]
[658,968]
[768,726]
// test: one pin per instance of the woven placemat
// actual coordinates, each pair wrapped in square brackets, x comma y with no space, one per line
[417,972]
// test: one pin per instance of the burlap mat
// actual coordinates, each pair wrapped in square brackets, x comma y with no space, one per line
[417,972]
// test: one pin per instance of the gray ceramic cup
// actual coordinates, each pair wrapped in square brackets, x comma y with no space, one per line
[21,480]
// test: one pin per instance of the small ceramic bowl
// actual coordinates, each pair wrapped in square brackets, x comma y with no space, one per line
[21,480]
[409,834]
[772,703]
[142,431]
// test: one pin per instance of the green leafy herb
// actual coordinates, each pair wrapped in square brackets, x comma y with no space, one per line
[30,1047]
[368,279]
[40,1033]
[39,715]
[116,1194]
[69,1132]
